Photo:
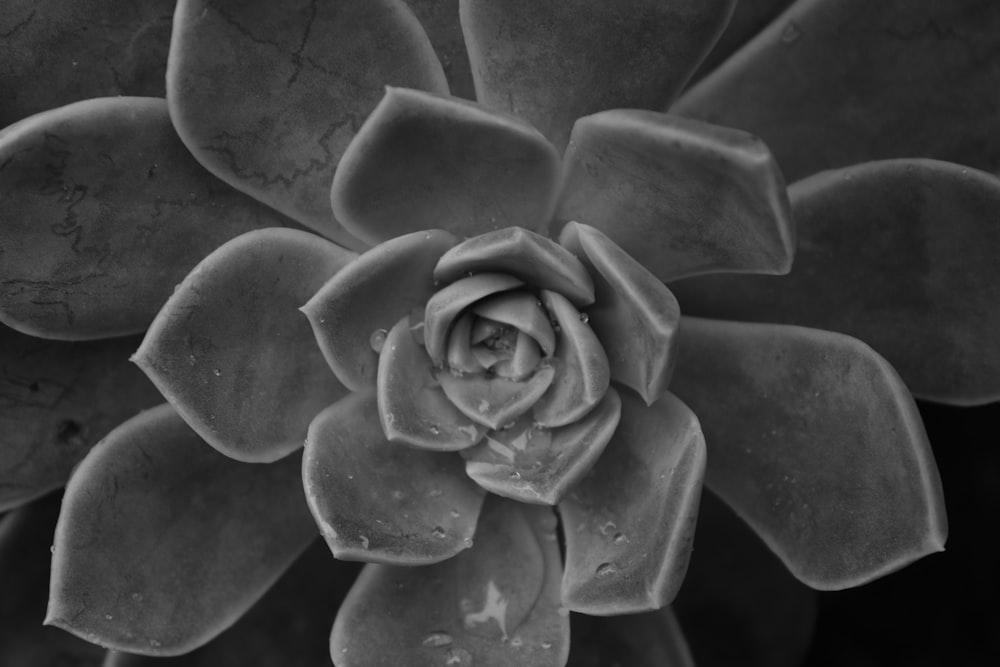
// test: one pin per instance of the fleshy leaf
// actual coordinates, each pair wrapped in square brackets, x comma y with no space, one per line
[154,514]
[104,212]
[268,95]
[495,401]
[901,254]
[523,311]
[354,310]
[534,464]
[816,443]
[412,407]
[552,62]
[829,84]
[653,639]
[582,372]
[290,626]
[445,306]
[494,605]
[738,589]
[634,315]
[527,255]
[57,399]
[232,352]
[749,18]
[382,502]
[440,20]
[25,537]
[422,161]
[630,522]
[680,196]
[81,50]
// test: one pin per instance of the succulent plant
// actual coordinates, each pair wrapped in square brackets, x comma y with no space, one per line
[466,311]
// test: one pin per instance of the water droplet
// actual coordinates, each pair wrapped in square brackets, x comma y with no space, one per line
[52,548]
[467,542]
[546,644]
[434,429]
[154,643]
[192,360]
[350,477]
[584,317]
[398,495]
[137,597]
[458,657]
[606,569]
[439,533]
[364,541]
[216,372]
[108,617]
[377,339]
[484,406]
[621,538]
[791,33]
[455,513]
[516,642]
[608,528]
[434,493]
[436,639]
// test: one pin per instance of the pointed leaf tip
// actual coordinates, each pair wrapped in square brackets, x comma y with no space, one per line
[680,196]
[422,161]
[230,344]
[311,71]
[899,253]
[153,514]
[817,444]
[105,211]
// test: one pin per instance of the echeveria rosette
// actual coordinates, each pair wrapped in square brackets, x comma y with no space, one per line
[59,393]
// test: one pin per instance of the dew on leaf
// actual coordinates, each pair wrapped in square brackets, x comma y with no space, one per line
[439,532]
[546,644]
[606,569]
[436,639]
[621,538]
[377,339]
[584,317]
[791,33]
[458,657]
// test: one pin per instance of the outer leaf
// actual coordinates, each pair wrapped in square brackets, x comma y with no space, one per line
[231,351]
[25,536]
[356,307]
[629,524]
[653,639]
[532,257]
[533,464]
[681,197]
[440,19]
[57,399]
[162,542]
[554,61]
[830,84]
[494,605]
[104,212]
[749,18]
[816,444]
[268,95]
[738,589]
[422,161]
[55,52]
[412,407]
[902,254]
[635,316]
[288,627]
[382,502]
